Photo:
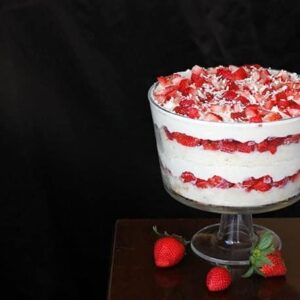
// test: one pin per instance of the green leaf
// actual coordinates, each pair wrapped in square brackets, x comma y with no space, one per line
[249,272]
[267,251]
[265,240]
[257,271]
[263,260]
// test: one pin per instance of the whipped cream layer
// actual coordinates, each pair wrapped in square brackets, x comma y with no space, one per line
[234,167]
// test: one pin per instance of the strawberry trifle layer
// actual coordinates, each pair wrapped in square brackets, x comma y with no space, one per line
[229,136]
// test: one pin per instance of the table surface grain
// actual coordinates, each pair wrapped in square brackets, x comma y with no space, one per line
[134,276]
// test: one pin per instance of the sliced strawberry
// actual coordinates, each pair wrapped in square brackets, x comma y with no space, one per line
[246,147]
[211,117]
[199,81]
[163,80]
[272,116]
[193,113]
[269,104]
[251,111]
[186,140]
[209,96]
[202,184]
[281,96]
[264,76]
[228,146]
[262,146]
[225,73]
[232,86]
[240,74]
[238,115]
[188,177]
[243,100]
[256,119]
[230,95]
[210,145]
[281,183]
[261,186]
[183,85]
[187,103]
[219,182]
[248,183]
[292,139]
[189,91]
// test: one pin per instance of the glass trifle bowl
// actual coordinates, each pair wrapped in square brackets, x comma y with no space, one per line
[228,140]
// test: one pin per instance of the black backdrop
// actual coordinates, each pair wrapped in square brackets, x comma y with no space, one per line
[77,143]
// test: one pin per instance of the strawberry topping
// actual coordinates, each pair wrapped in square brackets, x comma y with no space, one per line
[245,94]
[262,184]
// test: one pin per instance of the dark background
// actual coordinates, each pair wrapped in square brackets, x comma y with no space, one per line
[77,142]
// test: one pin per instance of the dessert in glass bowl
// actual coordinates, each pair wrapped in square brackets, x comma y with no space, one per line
[228,138]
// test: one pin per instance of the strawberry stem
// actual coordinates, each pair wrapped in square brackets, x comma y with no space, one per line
[176,236]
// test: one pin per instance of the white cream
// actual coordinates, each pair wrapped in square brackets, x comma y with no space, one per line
[234,167]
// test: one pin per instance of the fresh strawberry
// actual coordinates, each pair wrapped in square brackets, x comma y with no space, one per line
[211,117]
[262,186]
[219,182]
[218,279]
[225,73]
[240,74]
[265,260]
[230,95]
[228,146]
[168,250]
[243,100]
[210,145]
[272,116]
[185,140]
[163,80]
[245,147]
[238,115]
[188,177]
[256,119]
[202,184]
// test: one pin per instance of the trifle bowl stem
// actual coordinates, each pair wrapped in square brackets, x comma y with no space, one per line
[230,241]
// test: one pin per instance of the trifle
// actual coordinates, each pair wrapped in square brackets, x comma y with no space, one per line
[229,136]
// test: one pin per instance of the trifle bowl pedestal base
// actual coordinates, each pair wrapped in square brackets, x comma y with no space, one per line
[230,241]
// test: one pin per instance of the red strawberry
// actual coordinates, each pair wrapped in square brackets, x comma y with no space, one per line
[210,145]
[277,266]
[219,182]
[225,72]
[218,279]
[211,117]
[256,119]
[230,95]
[272,116]
[187,177]
[185,140]
[265,260]
[246,147]
[228,146]
[240,74]
[168,250]
[202,184]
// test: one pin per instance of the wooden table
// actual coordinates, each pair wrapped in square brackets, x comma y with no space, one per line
[134,276]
